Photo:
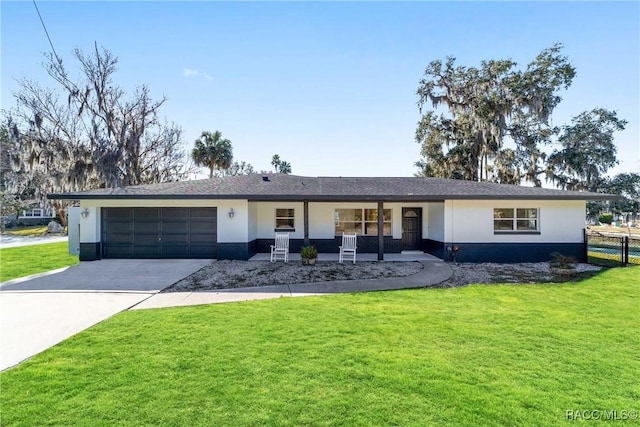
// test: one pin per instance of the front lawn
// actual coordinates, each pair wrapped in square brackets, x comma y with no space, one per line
[28,231]
[26,260]
[477,355]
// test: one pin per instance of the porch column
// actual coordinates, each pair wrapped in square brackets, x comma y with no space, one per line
[306,223]
[380,231]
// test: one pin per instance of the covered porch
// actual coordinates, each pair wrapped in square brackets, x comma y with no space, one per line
[361,257]
[387,230]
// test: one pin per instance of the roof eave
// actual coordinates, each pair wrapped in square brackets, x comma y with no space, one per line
[330,198]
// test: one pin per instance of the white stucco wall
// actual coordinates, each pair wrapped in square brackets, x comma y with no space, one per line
[266,219]
[472,221]
[230,230]
[452,221]
[73,229]
[253,220]
[90,225]
[321,217]
[435,221]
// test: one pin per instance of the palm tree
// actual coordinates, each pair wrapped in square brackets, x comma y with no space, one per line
[275,162]
[212,151]
[280,166]
[285,167]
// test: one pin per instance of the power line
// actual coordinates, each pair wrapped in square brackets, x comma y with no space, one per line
[46,32]
[57,58]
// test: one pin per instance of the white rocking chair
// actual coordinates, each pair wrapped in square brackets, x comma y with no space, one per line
[281,247]
[348,248]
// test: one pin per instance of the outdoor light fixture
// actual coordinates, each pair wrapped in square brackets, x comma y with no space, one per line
[84,213]
[231,213]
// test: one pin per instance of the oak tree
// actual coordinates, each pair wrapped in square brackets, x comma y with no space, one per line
[88,132]
[475,111]
[586,151]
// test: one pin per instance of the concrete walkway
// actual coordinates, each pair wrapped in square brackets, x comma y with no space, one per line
[433,272]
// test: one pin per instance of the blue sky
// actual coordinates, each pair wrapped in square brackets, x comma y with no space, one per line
[329,86]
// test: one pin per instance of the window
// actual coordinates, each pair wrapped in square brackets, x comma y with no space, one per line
[371,222]
[285,219]
[348,221]
[515,220]
[361,221]
[35,212]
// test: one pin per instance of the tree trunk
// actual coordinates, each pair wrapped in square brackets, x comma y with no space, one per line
[61,210]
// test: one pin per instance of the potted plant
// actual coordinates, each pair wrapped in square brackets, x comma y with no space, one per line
[309,255]
[562,265]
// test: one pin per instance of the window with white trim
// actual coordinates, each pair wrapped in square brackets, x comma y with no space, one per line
[285,219]
[525,220]
[35,212]
[361,221]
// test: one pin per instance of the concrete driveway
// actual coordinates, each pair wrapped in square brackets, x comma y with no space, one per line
[39,313]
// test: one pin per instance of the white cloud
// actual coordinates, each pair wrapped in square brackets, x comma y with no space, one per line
[190,72]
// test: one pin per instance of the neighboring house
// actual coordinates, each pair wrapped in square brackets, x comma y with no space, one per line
[32,216]
[35,213]
[235,217]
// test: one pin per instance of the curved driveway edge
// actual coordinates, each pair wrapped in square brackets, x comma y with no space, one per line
[112,275]
[38,313]
[34,321]
[433,272]
[41,312]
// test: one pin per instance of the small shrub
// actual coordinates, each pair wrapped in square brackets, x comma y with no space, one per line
[559,260]
[309,252]
[606,218]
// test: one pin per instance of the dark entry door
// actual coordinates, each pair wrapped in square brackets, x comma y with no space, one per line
[411,229]
[159,232]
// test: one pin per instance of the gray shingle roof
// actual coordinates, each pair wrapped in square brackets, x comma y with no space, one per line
[293,187]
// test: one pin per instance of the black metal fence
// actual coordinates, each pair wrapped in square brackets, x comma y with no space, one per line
[611,249]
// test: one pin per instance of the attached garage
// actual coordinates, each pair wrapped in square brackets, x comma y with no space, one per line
[157,232]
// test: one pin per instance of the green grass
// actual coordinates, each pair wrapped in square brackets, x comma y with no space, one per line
[29,231]
[479,355]
[609,259]
[604,259]
[26,260]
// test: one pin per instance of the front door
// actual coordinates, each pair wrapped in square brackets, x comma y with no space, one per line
[411,229]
